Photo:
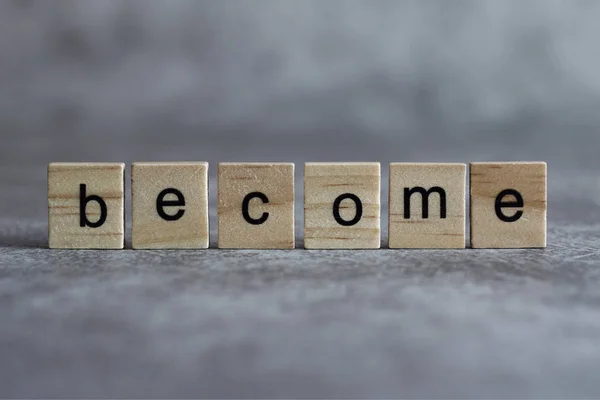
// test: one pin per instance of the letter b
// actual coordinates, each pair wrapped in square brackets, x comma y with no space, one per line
[83,201]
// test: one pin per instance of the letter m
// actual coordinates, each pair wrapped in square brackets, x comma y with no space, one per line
[408,192]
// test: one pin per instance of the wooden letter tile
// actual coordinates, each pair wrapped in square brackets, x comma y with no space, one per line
[427,205]
[86,206]
[342,205]
[169,205]
[508,205]
[256,206]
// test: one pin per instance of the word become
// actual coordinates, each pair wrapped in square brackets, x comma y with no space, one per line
[342,205]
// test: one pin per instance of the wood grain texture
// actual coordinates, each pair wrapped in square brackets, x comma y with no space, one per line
[276,182]
[488,180]
[437,230]
[149,229]
[100,179]
[323,184]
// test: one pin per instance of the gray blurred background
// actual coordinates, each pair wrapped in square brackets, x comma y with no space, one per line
[222,79]
[284,80]
[301,80]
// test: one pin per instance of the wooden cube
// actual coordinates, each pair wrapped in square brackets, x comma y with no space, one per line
[427,205]
[342,205]
[508,205]
[256,206]
[86,206]
[169,205]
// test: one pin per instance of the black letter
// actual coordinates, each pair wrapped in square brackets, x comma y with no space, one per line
[501,204]
[246,204]
[161,203]
[425,198]
[336,209]
[83,201]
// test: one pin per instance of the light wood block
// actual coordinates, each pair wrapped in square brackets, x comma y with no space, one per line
[427,206]
[342,205]
[256,206]
[169,205]
[86,206]
[508,205]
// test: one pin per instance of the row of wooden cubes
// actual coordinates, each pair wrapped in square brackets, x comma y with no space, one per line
[86,205]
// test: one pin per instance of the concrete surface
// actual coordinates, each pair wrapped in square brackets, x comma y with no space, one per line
[382,323]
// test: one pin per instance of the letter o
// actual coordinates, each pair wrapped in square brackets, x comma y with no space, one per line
[336,209]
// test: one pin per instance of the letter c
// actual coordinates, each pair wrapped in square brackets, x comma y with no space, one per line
[246,204]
